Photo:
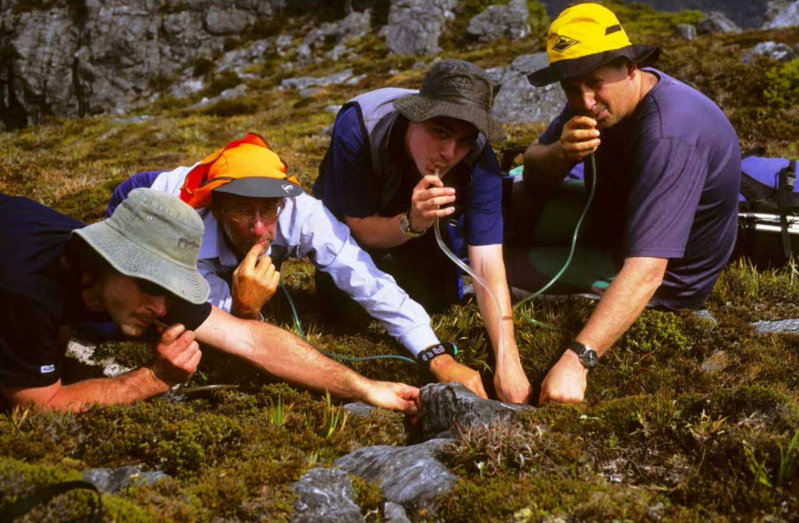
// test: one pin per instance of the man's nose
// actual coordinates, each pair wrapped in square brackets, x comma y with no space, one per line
[448,149]
[159,305]
[588,101]
[262,225]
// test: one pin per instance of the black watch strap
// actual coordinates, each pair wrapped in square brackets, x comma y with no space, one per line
[435,351]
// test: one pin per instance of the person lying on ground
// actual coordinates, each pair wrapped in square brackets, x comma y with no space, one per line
[137,268]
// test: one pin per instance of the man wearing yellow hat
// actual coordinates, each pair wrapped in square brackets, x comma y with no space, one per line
[256,216]
[666,180]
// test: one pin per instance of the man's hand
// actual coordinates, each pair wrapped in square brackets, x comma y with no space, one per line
[177,356]
[394,396]
[255,281]
[566,381]
[579,138]
[428,195]
[512,385]
[447,370]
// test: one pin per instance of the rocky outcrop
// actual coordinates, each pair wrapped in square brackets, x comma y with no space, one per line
[782,13]
[325,495]
[114,481]
[89,57]
[350,29]
[774,50]
[415,26]
[501,21]
[517,101]
[717,22]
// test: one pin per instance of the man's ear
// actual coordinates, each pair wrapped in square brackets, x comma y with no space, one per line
[87,279]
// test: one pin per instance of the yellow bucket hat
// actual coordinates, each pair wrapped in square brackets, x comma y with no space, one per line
[584,38]
[246,167]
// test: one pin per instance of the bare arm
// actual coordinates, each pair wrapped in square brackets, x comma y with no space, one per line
[619,307]
[378,232]
[510,381]
[548,164]
[286,356]
[177,357]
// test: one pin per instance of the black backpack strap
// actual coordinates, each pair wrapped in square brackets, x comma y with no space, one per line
[44,494]
[786,180]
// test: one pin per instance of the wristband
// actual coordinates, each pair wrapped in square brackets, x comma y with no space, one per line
[435,351]
[405,226]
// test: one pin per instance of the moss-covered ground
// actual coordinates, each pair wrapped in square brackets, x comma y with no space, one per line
[684,420]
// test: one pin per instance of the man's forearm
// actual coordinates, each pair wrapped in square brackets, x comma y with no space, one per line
[377,232]
[623,302]
[545,164]
[282,354]
[132,386]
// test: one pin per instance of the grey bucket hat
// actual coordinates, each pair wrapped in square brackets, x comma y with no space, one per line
[156,237]
[456,89]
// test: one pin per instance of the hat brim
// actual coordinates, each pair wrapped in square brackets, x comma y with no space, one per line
[260,187]
[418,108]
[130,259]
[642,55]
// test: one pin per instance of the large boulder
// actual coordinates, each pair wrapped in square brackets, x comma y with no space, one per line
[102,56]
[501,21]
[415,26]
[350,29]
[774,50]
[517,101]
[782,13]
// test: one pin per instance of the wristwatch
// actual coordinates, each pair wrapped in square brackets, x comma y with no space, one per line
[405,226]
[588,356]
[435,351]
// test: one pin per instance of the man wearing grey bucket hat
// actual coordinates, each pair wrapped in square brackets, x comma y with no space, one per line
[663,164]
[137,268]
[399,160]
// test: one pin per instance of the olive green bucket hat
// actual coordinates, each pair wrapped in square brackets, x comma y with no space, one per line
[155,237]
[455,89]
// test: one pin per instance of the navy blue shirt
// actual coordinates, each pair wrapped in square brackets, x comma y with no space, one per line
[667,187]
[350,188]
[40,294]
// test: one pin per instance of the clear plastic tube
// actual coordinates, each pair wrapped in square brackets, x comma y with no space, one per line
[476,278]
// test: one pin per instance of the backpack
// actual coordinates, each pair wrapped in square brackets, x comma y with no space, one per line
[768,208]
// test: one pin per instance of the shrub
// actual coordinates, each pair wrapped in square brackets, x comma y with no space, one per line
[783,88]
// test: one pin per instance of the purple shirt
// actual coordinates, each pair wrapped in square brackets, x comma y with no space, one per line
[668,182]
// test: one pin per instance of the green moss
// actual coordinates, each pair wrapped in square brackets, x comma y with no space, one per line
[783,89]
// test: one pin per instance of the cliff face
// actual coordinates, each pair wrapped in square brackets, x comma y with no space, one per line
[81,57]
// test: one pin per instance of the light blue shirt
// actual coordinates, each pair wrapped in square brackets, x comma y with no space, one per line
[306,228]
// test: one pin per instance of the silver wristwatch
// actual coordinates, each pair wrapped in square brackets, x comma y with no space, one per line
[405,226]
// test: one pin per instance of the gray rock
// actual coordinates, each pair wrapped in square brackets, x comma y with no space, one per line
[394,513]
[450,408]
[308,92]
[705,315]
[687,31]
[773,50]
[325,495]
[228,94]
[782,14]
[304,82]
[501,21]
[238,59]
[186,88]
[350,29]
[113,481]
[410,476]
[415,26]
[717,22]
[517,101]
[359,409]
[103,56]
[133,119]
[777,327]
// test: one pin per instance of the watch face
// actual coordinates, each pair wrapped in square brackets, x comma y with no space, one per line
[589,358]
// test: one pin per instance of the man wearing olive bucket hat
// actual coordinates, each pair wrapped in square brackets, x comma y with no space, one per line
[398,160]
[666,184]
[137,268]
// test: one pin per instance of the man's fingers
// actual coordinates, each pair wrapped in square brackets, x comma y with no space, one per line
[581,122]
[264,263]
[427,181]
[172,333]
[252,255]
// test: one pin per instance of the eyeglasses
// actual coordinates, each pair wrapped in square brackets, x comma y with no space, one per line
[268,213]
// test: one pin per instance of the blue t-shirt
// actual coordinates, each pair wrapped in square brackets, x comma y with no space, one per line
[349,187]
[667,187]
[40,294]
